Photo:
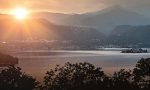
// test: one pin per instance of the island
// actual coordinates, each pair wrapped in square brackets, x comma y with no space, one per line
[134,50]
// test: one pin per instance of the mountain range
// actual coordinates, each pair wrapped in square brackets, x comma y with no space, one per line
[38,29]
[126,35]
[114,25]
[104,20]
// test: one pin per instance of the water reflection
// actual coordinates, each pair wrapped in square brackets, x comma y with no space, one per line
[37,63]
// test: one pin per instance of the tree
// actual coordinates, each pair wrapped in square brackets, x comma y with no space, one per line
[79,76]
[12,78]
[142,67]
[142,73]
[122,80]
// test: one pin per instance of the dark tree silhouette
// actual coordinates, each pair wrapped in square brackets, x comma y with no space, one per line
[12,78]
[123,80]
[143,67]
[79,76]
[84,76]
[142,73]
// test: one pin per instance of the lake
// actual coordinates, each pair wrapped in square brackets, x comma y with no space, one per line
[37,62]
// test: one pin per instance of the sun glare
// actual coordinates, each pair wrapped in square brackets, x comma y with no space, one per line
[20,13]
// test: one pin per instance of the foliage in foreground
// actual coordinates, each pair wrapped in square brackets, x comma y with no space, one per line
[85,76]
[79,76]
[12,78]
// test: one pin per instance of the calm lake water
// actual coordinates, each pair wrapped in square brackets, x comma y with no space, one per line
[36,63]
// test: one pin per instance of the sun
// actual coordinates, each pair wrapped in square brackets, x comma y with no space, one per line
[20,13]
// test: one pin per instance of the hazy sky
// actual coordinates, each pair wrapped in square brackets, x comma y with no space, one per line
[75,6]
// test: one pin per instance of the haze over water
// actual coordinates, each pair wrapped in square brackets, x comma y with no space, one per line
[36,63]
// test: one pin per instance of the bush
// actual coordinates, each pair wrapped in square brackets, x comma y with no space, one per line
[142,73]
[12,78]
[79,76]
[84,76]
[123,80]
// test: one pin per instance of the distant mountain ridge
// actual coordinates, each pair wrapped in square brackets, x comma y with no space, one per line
[104,21]
[126,35]
[36,28]
[81,28]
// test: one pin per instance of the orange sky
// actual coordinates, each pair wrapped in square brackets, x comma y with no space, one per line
[65,6]
[74,6]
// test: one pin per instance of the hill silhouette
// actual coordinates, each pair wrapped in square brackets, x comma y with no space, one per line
[37,28]
[104,20]
[131,35]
